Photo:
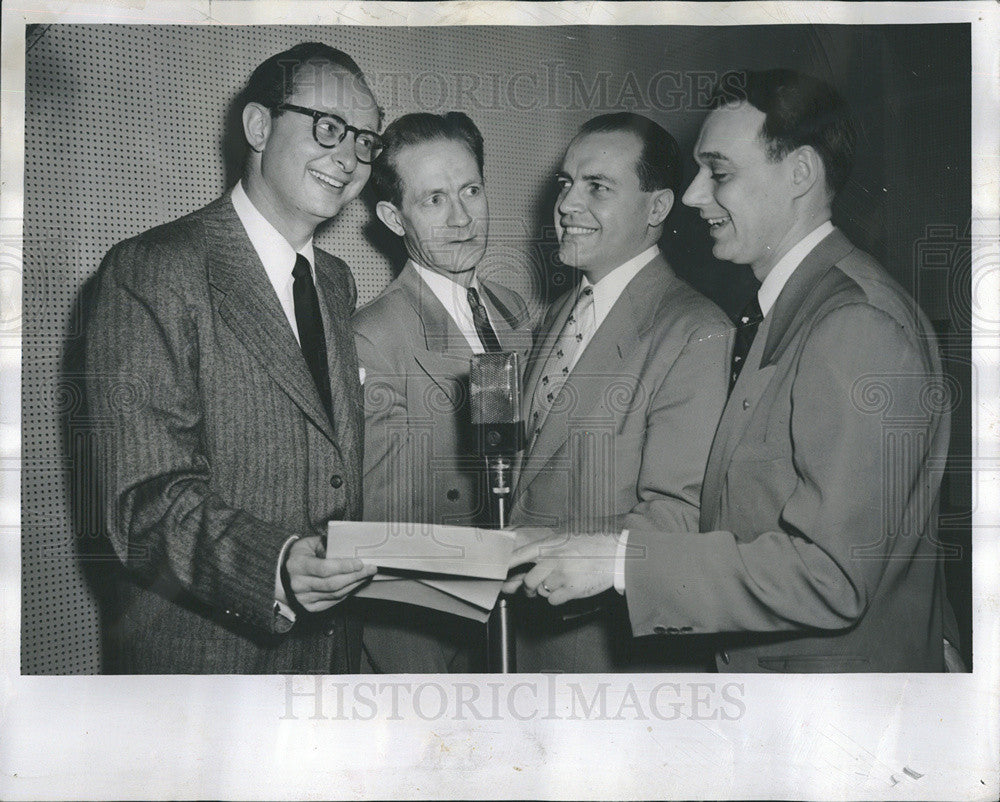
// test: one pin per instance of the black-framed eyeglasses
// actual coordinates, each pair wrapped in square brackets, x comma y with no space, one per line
[329,131]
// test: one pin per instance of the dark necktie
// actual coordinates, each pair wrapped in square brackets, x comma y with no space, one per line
[487,336]
[310,325]
[746,330]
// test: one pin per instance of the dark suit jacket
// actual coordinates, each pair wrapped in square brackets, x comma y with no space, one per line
[630,434]
[421,462]
[217,448]
[818,549]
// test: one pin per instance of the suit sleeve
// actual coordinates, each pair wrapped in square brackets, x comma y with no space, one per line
[386,429]
[165,522]
[681,424]
[806,573]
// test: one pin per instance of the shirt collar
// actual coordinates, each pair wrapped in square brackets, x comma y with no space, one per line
[275,252]
[775,281]
[452,295]
[609,289]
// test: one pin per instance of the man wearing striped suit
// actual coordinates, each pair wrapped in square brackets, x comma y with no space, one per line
[221,355]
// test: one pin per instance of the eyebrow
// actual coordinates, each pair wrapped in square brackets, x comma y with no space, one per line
[444,190]
[592,177]
[713,155]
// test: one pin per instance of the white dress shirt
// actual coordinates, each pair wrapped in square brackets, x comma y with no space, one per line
[455,300]
[275,252]
[774,282]
[609,289]
[278,257]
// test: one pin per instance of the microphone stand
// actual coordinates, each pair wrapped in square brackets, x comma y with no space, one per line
[501,656]
[495,395]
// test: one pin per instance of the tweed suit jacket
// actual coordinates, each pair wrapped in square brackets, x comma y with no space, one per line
[218,448]
[421,460]
[629,434]
[818,546]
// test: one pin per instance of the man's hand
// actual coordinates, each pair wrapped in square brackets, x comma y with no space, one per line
[318,582]
[566,567]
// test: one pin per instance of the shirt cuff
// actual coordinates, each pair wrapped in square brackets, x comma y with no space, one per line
[281,606]
[620,562]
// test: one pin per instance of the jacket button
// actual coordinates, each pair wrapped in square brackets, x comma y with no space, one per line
[660,630]
[673,631]
[336,481]
[724,656]
[746,403]
[453,495]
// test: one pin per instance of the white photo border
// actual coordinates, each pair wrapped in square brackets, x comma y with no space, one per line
[899,736]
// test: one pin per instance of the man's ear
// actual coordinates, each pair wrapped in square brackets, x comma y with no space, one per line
[389,214]
[663,202]
[807,169]
[256,125]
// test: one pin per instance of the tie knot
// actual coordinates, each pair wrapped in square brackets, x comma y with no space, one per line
[301,269]
[473,297]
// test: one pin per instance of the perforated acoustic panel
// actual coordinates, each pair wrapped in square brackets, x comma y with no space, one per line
[125,128]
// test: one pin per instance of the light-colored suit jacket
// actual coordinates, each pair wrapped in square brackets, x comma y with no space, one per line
[629,434]
[217,448]
[421,462]
[818,549]
[420,453]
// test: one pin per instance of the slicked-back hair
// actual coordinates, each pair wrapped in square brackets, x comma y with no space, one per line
[415,129]
[273,82]
[659,164]
[799,110]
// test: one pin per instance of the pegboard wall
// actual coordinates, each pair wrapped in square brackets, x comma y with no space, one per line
[125,129]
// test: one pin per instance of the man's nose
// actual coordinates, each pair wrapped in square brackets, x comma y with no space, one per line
[698,193]
[458,215]
[569,200]
[344,153]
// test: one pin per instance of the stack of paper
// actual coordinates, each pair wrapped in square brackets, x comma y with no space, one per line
[455,569]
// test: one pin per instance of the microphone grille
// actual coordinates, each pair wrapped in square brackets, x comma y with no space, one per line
[495,388]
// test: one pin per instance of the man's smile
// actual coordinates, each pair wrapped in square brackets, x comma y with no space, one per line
[328,180]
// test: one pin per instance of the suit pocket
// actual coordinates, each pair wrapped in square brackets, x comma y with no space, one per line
[815,664]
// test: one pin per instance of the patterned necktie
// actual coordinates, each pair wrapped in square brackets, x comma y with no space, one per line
[746,330]
[310,325]
[487,336]
[579,325]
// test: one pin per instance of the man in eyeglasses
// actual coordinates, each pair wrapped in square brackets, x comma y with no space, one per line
[221,355]
[415,342]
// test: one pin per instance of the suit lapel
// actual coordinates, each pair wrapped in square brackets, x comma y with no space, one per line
[794,306]
[445,353]
[750,386]
[601,361]
[250,307]
[513,331]
[345,389]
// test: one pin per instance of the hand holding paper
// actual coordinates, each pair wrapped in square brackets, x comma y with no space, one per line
[318,582]
[566,567]
[456,569]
